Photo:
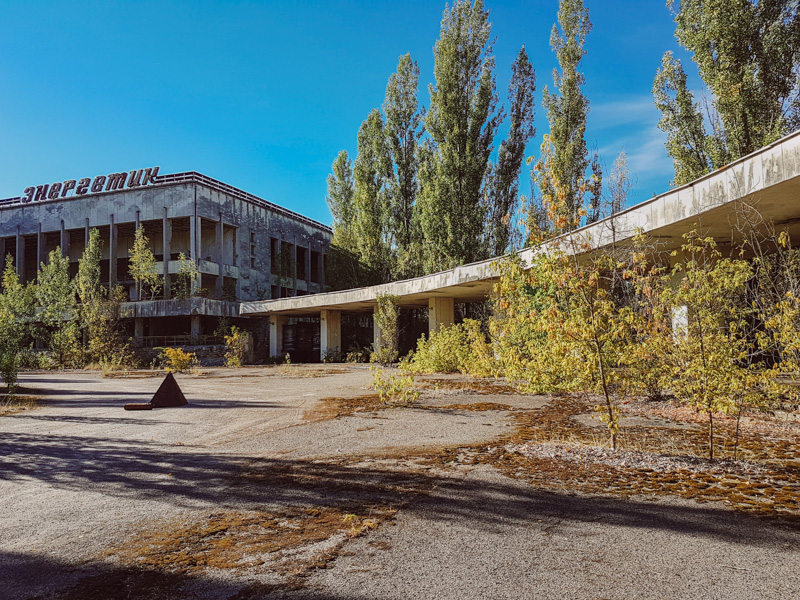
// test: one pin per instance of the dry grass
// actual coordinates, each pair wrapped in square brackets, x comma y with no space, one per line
[17,403]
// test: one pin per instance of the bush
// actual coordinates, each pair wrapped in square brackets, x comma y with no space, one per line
[177,360]
[394,389]
[460,348]
[235,344]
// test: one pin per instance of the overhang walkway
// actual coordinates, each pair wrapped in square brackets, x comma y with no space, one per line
[768,180]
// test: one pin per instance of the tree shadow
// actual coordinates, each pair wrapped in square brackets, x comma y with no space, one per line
[187,477]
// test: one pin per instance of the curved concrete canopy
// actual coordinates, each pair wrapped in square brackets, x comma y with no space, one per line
[767,180]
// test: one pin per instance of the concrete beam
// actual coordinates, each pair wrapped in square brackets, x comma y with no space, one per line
[441,313]
[276,323]
[330,332]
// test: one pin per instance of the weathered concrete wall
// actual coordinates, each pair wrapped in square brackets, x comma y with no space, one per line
[206,220]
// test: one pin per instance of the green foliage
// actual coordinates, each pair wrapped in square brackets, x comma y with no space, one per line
[100,309]
[235,347]
[403,129]
[462,122]
[561,169]
[186,278]
[177,360]
[57,313]
[386,318]
[747,53]
[394,389]
[372,170]
[459,348]
[16,314]
[341,191]
[708,360]
[504,183]
[142,267]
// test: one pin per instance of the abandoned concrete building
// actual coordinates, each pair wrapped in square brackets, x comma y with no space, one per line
[245,248]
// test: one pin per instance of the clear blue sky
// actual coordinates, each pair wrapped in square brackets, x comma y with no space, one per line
[263,95]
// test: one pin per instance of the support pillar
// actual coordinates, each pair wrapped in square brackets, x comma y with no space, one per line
[20,255]
[195,331]
[166,228]
[86,236]
[40,247]
[220,256]
[64,240]
[138,330]
[276,323]
[308,268]
[441,313]
[321,270]
[377,332]
[330,332]
[112,253]
[294,266]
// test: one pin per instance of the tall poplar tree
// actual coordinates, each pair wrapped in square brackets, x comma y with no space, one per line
[567,108]
[747,53]
[341,193]
[403,130]
[504,196]
[372,170]
[461,122]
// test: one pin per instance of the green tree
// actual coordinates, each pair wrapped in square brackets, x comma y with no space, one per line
[566,183]
[403,130]
[504,193]
[462,122]
[708,359]
[100,309]
[341,193]
[372,170]
[142,266]
[682,121]
[57,311]
[16,314]
[186,278]
[747,53]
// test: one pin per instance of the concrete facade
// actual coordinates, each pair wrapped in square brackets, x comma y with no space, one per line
[245,248]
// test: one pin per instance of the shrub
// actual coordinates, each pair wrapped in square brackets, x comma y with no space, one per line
[458,348]
[392,389]
[235,345]
[177,360]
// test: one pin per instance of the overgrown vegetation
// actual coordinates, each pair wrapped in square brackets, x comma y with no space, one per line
[397,390]
[386,318]
[177,360]
[459,348]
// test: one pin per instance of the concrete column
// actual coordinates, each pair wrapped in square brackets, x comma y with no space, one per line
[64,240]
[193,238]
[40,247]
[330,332]
[321,270]
[220,255]
[166,227]
[441,313]
[86,236]
[112,253]
[377,332]
[20,255]
[138,330]
[294,266]
[137,220]
[276,323]
[308,268]
[195,331]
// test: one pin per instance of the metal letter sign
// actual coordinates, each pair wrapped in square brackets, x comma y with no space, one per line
[114,182]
